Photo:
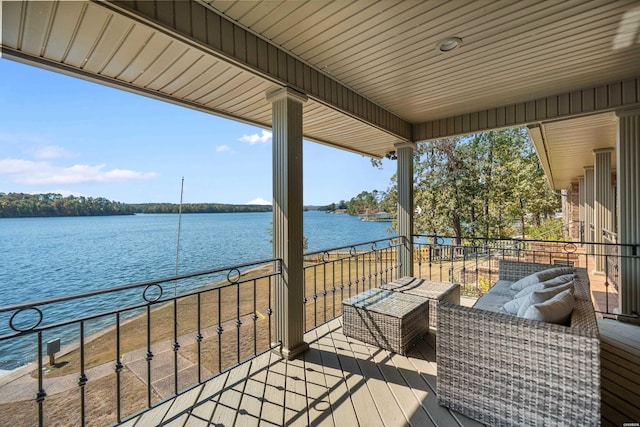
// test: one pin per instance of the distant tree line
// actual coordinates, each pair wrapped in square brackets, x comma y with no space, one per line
[20,205]
[156,208]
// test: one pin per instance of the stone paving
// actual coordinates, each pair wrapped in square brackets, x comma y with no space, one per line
[20,385]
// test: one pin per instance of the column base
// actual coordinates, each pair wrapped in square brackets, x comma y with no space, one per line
[291,353]
[597,273]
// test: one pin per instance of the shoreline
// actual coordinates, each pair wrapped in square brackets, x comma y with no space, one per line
[7,374]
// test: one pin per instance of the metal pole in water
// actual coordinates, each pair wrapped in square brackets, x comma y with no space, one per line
[175,284]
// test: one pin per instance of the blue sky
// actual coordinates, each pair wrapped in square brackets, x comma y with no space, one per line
[64,135]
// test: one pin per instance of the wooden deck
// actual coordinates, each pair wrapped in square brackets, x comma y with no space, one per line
[338,382]
[341,381]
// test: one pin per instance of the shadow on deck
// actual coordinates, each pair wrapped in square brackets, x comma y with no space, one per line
[339,381]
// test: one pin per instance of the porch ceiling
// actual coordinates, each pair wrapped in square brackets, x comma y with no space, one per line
[565,148]
[372,70]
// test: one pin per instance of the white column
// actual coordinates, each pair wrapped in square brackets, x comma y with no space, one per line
[287,219]
[404,152]
[628,182]
[588,208]
[602,208]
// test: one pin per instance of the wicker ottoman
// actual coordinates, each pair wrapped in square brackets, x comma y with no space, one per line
[435,291]
[390,320]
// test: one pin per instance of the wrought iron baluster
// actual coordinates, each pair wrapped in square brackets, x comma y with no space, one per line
[82,380]
[199,336]
[175,345]
[118,369]
[219,330]
[149,356]
[40,395]
[254,317]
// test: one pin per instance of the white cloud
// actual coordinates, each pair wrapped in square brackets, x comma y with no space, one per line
[222,148]
[258,201]
[263,138]
[37,173]
[50,152]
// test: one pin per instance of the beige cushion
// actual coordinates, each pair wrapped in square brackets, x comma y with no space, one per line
[534,294]
[556,310]
[540,276]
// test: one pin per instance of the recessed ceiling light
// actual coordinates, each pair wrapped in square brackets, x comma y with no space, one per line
[449,44]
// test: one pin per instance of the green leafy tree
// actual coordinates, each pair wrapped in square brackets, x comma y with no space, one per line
[480,184]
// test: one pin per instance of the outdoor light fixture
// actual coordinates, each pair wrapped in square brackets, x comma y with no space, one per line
[391,155]
[449,44]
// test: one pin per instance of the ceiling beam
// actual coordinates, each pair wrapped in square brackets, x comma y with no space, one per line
[605,98]
[198,25]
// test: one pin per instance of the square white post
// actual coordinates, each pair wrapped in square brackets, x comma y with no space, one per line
[288,233]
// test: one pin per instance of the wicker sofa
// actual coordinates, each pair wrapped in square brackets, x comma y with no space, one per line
[500,369]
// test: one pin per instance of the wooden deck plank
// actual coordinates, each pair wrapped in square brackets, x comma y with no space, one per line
[439,415]
[339,397]
[620,335]
[130,423]
[227,407]
[251,404]
[611,416]
[625,380]
[621,405]
[384,399]
[181,406]
[318,405]
[202,411]
[405,397]
[363,402]
[155,416]
[273,404]
[620,350]
[296,394]
[617,363]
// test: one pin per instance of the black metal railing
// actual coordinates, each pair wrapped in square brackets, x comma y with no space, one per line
[334,274]
[157,339]
[158,342]
[612,252]
[171,340]
[473,261]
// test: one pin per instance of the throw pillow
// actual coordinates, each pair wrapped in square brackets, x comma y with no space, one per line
[529,289]
[540,276]
[543,295]
[556,310]
[559,280]
[533,295]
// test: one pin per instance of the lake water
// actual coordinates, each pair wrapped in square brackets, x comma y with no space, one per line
[46,257]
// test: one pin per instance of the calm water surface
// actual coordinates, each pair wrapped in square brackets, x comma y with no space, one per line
[46,257]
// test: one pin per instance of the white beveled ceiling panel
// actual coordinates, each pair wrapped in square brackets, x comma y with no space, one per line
[103,45]
[370,68]
[566,147]
[511,51]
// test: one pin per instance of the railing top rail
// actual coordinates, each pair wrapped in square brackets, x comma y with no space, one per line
[348,247]
[518,240]
[135,285]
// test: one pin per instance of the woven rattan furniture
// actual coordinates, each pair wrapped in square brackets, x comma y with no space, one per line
[500,369]
[390,320]
[431,289]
